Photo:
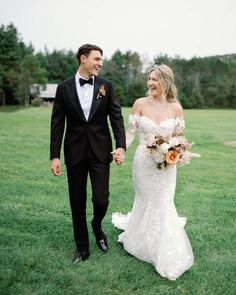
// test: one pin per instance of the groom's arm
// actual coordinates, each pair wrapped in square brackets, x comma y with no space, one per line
[117,124]
[57,131]
[116,119]
[56,167]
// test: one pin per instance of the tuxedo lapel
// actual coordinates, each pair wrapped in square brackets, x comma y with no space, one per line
[96,100]
[73,95]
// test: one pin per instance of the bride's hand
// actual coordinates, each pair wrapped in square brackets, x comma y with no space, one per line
[119,156]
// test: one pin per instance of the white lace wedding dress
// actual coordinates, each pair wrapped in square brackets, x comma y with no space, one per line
[153,231]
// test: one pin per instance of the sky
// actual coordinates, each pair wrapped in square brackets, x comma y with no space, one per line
[184,28]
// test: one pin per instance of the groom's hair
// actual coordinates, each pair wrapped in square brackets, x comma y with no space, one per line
[86,49]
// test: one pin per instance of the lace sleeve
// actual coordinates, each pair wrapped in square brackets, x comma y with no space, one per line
[132,128]
[179,126]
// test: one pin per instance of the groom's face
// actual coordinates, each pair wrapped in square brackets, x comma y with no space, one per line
[91,64]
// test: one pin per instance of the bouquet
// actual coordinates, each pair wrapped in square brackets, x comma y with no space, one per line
[170,150]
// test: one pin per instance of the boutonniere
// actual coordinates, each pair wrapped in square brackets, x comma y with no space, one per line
[101,91]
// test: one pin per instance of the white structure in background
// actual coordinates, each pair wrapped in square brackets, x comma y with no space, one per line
[48,94]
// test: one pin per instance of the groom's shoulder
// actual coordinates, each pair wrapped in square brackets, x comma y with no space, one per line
[67,81]
[102,80]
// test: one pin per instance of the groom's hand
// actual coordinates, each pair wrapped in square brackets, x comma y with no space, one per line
[56,167]
[119,156]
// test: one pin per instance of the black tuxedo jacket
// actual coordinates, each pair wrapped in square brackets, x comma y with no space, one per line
[79,132]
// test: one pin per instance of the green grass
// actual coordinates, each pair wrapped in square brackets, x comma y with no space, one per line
[36,232]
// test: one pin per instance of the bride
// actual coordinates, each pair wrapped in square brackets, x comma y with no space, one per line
[153,231]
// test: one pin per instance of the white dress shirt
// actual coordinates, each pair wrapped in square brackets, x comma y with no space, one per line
[85,94]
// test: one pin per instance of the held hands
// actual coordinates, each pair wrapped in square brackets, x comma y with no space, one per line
[56,167]
[119,156]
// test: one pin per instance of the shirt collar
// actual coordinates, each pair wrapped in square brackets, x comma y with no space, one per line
[77,76]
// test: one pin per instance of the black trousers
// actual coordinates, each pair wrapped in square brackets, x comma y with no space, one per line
[77,176]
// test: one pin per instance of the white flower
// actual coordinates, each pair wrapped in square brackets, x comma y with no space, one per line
[158,157]
[151,141]
[174,141]
[164,148]
[169,150]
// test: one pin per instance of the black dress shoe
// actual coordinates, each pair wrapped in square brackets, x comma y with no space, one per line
[102,243]
[101,238]
[81,256]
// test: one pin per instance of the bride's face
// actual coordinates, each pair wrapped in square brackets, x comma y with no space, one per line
[154,84]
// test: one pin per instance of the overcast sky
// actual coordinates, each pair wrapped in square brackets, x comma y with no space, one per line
[175,27]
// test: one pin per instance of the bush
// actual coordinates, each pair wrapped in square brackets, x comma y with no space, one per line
[37,102]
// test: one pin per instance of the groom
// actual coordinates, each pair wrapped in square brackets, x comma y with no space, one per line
[85,101]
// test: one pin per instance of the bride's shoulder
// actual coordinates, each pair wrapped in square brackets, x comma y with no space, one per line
[138,105]
[177,109]
[140,101]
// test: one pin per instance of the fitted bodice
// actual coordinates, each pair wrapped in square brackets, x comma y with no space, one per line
[145,127]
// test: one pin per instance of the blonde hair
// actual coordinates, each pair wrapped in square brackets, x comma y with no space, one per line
[166,76]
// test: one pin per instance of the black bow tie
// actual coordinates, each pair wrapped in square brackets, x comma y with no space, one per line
[82,81]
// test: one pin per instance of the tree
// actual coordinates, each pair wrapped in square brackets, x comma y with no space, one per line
[201,82]
[2,94]
[124,70]
[30,73]
[59,65]
[12,51]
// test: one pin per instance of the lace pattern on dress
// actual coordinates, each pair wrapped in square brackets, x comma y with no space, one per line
[179,125]
[132,128]
[153,231]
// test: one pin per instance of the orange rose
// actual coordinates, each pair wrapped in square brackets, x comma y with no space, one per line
[172,157]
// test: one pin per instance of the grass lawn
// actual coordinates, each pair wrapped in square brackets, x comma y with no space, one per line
[36,239]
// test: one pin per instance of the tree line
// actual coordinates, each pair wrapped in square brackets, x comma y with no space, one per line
[202,82]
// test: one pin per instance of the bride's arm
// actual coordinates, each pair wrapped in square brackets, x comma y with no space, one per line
[180,123]
[131,130]
[133,123]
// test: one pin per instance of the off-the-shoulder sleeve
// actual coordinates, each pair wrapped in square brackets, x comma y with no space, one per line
[132,128]
[179,125]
